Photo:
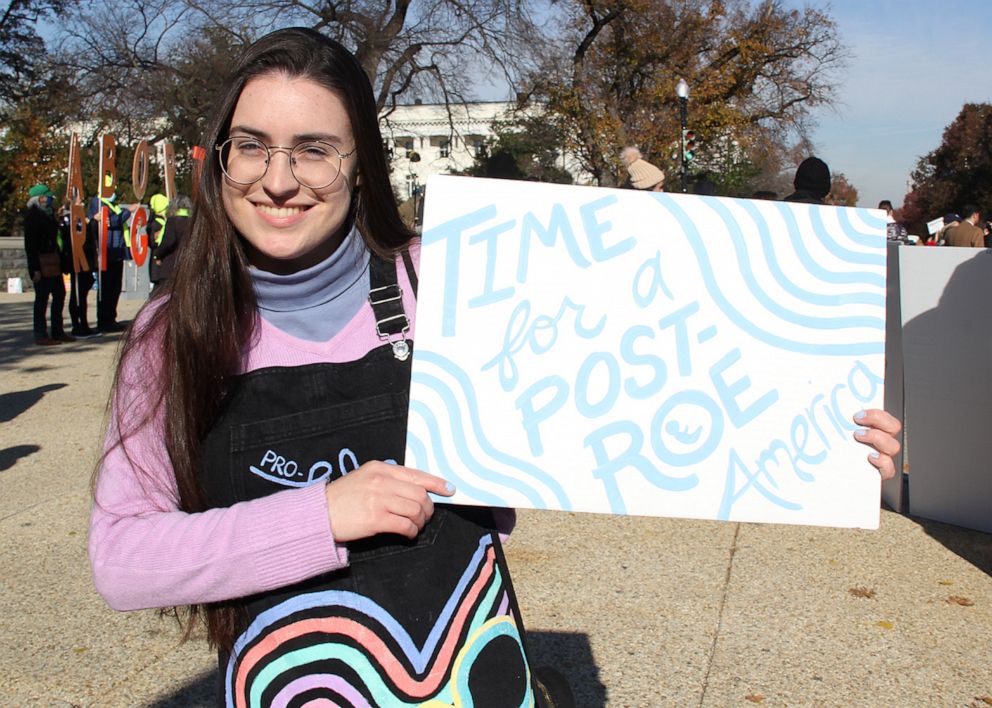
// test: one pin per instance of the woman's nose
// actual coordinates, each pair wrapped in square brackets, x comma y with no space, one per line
[279,179]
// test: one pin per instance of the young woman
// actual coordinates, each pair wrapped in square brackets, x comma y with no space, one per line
[253,465]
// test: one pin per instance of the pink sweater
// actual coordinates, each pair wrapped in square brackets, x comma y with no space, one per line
[146,553]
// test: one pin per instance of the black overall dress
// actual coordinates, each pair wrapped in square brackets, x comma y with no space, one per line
[432,621]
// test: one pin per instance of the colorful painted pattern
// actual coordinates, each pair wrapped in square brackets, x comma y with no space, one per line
[339,648]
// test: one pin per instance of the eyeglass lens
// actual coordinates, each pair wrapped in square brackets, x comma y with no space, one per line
[313,164]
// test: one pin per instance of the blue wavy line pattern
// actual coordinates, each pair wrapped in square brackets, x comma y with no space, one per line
[834,266]
[768,248]
[767,301]
[463,452]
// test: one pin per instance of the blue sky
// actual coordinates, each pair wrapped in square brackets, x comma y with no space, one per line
[914,64]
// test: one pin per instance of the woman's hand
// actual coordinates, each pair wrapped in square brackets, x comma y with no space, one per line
[382,498]
[879,430]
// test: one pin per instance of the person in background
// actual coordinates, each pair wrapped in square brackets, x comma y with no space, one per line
[42,246]
[643,175]
[967,233]
[894,231]
[704,185]
[812,182]
[170,225]
[112,273]
[159,205]
[950,220]
[80,283]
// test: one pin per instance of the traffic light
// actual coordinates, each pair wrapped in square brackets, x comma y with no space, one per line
[688,144]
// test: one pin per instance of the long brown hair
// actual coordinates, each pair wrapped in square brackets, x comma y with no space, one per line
[206,316]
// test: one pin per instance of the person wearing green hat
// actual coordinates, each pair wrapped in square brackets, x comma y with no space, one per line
[42,245]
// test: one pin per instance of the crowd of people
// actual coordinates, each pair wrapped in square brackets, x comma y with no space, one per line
[966,230]
[812,185]
[48,248]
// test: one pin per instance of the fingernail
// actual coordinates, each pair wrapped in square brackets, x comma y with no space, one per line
[873,455]
[859,415]
[449,487]
[860,431]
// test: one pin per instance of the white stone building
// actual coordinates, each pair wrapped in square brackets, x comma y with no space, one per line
[439,138]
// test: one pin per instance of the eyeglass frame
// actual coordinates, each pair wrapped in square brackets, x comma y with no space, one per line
[274,149]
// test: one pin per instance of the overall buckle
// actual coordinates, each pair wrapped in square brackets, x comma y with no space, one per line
[392,328]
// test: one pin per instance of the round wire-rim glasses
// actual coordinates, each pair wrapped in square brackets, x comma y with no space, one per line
[313,152]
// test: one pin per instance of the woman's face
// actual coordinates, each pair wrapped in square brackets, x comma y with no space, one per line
[290,227]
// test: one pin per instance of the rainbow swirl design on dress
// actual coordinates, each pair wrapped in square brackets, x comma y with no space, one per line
[339,648]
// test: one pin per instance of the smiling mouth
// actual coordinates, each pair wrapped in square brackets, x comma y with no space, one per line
[280,212]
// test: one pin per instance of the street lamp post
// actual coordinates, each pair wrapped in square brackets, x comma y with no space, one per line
[413,184]
[682,91]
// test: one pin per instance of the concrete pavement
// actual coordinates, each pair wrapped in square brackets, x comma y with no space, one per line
[635,611]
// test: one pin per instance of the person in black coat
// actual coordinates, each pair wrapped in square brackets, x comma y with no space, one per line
[111,272]
[167,231]
[80,283]
[812,182]
[41,246]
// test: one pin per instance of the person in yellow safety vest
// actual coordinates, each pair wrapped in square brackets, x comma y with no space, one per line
[159,204]
[170,225]
[112,272]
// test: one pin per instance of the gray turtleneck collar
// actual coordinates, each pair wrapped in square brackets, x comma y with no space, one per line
[316,303]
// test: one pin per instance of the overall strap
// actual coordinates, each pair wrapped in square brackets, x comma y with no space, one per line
[386,299]
[411,272]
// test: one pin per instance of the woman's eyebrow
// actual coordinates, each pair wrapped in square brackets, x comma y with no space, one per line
[324,137]
[260,134]
[302,138]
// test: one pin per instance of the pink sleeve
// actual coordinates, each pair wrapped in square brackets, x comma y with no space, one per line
[146,553]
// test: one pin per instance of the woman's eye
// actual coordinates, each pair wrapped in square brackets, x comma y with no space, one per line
[312,151]
[249,147]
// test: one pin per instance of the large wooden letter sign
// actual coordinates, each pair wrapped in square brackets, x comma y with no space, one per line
[138,226]
[107,167]
[139,220]
[77,210]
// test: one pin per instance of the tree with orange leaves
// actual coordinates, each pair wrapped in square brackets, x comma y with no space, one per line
[755,71]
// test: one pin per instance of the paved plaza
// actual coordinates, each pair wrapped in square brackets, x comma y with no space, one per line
[635,611]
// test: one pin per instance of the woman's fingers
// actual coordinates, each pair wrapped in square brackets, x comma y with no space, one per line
[877,418]
[882,442]
[884,463]
[430,482]
[878,430]
[382,498]
[418,511]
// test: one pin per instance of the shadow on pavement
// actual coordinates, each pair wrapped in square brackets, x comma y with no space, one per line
[17,338]
[10,456]
[971,545]
[201,692]
[16,402]
[570,653]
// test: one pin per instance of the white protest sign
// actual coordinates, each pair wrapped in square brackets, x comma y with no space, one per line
[646,353]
